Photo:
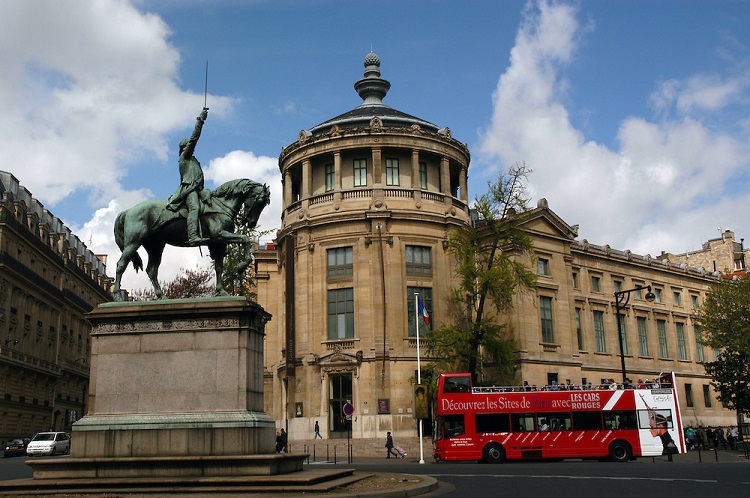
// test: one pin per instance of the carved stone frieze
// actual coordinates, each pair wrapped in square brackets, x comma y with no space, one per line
[175,325]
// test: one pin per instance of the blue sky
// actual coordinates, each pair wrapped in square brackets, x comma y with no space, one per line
[633,115]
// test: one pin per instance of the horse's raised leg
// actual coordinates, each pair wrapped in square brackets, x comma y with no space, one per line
[244,240]
[155,252]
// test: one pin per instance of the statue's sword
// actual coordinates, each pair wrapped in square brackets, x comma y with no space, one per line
[205,92]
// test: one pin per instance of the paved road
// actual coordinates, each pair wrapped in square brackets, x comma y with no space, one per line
[690,475]
[687,476]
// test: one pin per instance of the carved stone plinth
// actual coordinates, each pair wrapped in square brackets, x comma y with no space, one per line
[175,382]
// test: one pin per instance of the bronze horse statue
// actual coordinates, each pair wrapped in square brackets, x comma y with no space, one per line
[151,225]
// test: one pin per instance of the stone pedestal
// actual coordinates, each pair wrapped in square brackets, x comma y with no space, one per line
[176,386]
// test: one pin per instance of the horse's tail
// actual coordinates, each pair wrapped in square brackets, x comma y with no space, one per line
[120,240]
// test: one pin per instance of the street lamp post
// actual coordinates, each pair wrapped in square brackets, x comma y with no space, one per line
[621,300]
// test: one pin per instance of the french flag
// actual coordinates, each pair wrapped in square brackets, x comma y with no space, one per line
[423,311]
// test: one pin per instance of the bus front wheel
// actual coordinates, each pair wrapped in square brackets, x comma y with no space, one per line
[619,451]
[493,453]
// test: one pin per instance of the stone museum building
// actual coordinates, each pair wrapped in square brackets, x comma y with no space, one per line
[370,198]
[48,281]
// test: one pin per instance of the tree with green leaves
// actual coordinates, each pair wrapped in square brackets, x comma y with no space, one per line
[491,268]
[187,284]
[724,319]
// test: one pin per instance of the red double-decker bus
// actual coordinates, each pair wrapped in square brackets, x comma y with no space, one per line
[495,424]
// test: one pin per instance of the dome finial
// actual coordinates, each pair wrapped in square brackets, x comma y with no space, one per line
[372,88]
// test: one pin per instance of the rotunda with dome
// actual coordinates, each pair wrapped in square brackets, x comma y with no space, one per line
[369,198]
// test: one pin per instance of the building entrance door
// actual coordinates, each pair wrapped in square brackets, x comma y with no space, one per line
[339,394]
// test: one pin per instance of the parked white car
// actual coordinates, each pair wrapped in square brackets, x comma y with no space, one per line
[48,443]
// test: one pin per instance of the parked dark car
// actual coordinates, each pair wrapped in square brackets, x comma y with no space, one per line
[16,447]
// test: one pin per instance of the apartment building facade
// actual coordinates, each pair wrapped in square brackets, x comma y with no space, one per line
[48,281]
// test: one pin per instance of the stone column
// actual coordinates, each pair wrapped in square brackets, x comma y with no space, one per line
[377,167]
[445,176]
[306,187]
[337,169]
[415,169]
[462,185]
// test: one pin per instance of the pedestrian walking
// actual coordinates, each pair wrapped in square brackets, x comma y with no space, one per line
[284,441]
[317,431]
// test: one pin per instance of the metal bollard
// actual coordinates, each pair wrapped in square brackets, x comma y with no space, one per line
[334,455]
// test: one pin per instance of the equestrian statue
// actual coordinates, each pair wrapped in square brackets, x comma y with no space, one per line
[193,216]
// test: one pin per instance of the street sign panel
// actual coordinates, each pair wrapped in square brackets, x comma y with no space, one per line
[348,409]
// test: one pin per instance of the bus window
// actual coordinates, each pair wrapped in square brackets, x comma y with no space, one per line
[492,423]
[555,421]
[457,385]
[522,422]
[583,421]
[619,419]
[453,425]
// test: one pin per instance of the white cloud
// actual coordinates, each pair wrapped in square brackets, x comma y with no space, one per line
[88,89]
[263,169]
[660,190]
[698,92]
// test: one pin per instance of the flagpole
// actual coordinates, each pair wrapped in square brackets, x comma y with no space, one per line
[419,371]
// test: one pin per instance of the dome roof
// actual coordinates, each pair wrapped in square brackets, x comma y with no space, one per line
[372,88]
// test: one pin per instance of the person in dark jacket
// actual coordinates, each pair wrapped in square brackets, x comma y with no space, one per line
[389,446]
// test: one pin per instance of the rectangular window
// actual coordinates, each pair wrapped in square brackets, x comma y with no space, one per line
[661,328]
[623,335]
[360,172]
[579,329]
[595,287]
[618,285]
[425,294]
[575,280]
[601,344]
[418,261]
[543,266]
[681,349]
[657,295]
[689,395]
[620,419]
[698,344]
[707,396]
[677,299]
[453,426]
[545,310]
[523,422]
[341,314]
[694,301]
[642,336]
[330,177]
[638,292]
[492,423]
[340,263]
[587,421]
[391,172]
[422,175]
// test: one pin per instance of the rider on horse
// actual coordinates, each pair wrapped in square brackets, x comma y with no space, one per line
[190,192]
